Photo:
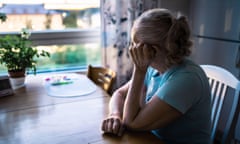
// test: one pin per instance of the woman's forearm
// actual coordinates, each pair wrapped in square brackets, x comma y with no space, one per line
[117,101]
[133,99]
[116,105]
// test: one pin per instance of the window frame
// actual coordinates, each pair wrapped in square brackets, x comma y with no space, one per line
[61,37]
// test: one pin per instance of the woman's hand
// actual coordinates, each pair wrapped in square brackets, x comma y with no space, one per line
[113,124]
[142,55]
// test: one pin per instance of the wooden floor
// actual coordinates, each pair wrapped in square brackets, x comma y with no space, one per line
[32,117]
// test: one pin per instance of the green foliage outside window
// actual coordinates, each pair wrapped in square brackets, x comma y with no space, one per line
[66,56]
[71,55]
[70,21]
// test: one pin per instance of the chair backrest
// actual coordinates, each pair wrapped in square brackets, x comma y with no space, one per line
[220,80]
[104,77]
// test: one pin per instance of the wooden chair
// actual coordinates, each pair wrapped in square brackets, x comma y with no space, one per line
[220,80]
[104,77]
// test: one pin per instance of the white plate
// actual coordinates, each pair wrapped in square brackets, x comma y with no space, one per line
[80,85]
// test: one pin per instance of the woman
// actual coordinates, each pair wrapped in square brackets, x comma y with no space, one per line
[168,94]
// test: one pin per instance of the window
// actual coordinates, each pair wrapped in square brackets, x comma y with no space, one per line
[69,30]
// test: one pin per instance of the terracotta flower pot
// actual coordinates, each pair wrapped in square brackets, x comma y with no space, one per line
[16,73]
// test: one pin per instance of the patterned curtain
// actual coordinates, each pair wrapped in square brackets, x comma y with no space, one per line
[117,17]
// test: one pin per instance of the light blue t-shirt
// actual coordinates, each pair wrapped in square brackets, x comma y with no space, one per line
[185,87]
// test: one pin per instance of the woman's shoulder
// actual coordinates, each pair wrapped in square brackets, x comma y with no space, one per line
[192,72]
[190,67]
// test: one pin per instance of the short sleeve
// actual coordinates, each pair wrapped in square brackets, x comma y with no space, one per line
[148,76]
[181,91]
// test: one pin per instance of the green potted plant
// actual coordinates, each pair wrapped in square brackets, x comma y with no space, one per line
[3,17]
[18,55]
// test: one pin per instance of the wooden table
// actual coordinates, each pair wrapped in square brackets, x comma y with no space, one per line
[30,116]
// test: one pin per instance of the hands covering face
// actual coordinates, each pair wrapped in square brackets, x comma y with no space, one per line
[142,55]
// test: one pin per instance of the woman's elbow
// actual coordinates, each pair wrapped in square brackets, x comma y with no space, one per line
[131,124]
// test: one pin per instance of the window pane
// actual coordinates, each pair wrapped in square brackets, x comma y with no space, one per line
[67,57]
[50,15]
[68,29]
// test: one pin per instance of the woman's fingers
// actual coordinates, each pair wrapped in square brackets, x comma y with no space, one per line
[136,53]
[132,50]
[116,126]
[104,125]
[139,53]
[146,51]
[112,125]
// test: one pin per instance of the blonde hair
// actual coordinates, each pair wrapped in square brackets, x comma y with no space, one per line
[172,34]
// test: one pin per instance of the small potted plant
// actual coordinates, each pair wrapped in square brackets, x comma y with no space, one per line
[3,17]
[18,55]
